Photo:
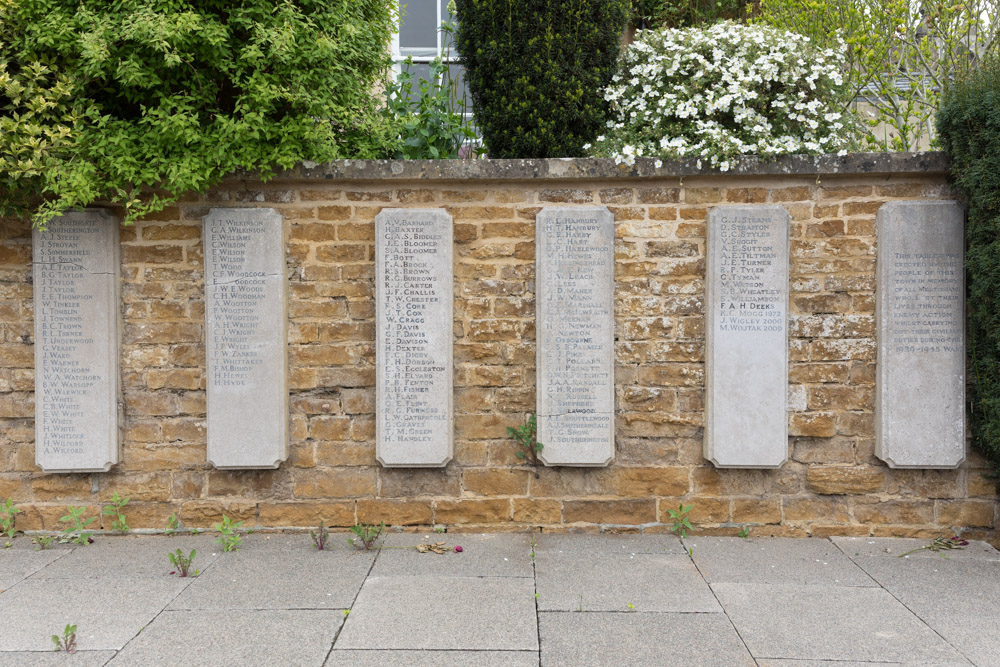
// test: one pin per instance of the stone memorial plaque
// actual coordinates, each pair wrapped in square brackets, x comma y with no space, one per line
[414,298]
[77,388]
[920,404]
[245,325]
[575,288]
[746,361]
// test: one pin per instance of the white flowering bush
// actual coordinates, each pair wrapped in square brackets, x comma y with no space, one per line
[724,91]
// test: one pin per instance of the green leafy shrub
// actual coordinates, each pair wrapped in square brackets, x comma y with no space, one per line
[969,123]
[721,92]
[104,101]
[654,14]
[535,70]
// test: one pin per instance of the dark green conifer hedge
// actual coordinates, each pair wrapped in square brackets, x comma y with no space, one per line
[969,126]
[536,70]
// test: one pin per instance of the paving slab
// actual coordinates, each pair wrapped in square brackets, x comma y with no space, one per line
[830,623]
[462,613]
[594,581]
[19,563]
[497,555]
[107,614]
[775,561]
[280,572]
[109,557]
[609,544]
[53,659]
[574,639]
[938,588]
[244,637]
[892,547]
[977,638]
[352,658]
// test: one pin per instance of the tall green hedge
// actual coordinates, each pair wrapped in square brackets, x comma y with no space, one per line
[969,126]
[536,70]
[104,100]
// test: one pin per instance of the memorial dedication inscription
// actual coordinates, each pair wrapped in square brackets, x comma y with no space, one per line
[246,323]
[576,348]
[414,275]
[920,406]
[746,393]
[77,390]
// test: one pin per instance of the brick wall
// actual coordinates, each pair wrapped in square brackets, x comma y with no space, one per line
[831,484]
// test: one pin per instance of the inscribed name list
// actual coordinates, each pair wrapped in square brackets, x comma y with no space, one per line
[414,295]
[920,401]
[575,350]
[246,324]
[746,392]
[77,389]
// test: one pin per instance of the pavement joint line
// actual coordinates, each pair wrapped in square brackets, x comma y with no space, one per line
[856,564]
[347,616]
[534,582]
[690,555]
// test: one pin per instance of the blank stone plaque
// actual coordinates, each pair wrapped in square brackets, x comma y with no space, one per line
[77,390]
[920,409]
[746,364]
[575,286]
[414,275]
[246,322]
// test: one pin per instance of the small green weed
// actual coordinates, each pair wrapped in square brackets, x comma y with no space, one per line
[173,524]
[320,536]
[630,606]
[526,438]
[75,533]
[118,525]
[367,534]
[42,542]
[8,512]
[182,563]
[229,536]
[744,532]
[682,524]
[68,640]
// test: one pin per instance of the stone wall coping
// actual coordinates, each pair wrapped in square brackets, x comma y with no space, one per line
[605,168]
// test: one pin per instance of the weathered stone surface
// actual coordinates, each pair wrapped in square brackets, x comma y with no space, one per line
[575,352]
[77,392]
[246,325]
[921,333]
[747,337]
[414,276]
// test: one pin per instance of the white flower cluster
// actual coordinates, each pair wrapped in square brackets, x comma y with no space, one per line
[724,91]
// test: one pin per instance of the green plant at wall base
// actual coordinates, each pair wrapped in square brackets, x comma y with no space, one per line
[229,536]
[535,70]
[526,438]
[7,518]
[75,532]
[42,542]
[320,536]
[182,563]
[682,523]
[173,524]
[119,524]
[66,642]
[365,535]
[102,101]
[744,532]
[969,123]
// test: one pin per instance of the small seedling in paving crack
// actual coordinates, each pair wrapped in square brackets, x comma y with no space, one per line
[532,548]
[682,524]
[320,536]
[173,524]
[630,606]
[229,536]
[7,514]
[744,532]
[941,544]
[42,542]
[76,533]
[525,436]
[68,640]
[182,563]
[347,612]
[367,534]
[119,525]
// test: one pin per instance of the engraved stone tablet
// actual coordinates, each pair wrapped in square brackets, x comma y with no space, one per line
[746,363]
[77,390]
[920,405]
[245,324]
[576,330]
[413,269]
